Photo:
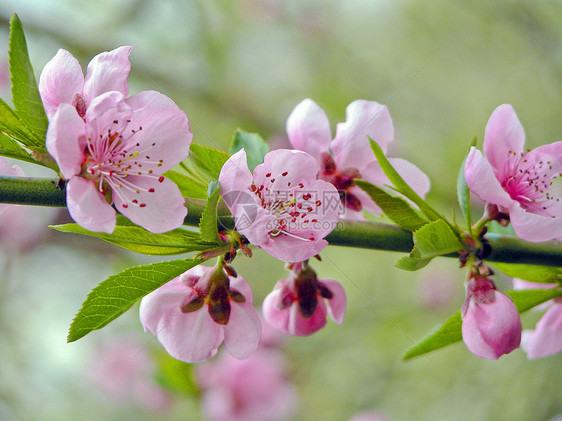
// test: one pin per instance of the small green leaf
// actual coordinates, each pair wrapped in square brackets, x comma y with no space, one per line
[253,144]
[395,208]
[11,125]
[25,94]
[410,264]
[12,149]
[400,185]
[139,240]
[435,239]
[450,331]
[189,185]
[119,292]
[207,161]
[463,193]
[531,273]
[208,223]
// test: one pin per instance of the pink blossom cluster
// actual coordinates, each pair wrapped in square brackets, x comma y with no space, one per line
[517,185]
[113,148]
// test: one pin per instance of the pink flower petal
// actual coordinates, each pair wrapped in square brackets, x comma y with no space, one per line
[108,72]
[338,303]
[289,320]
[292,250]
[481,180]
[88,207]
[165,133]
[504,135]
[490,330]
[190,337]
[308,129]
[298,167]
[351,146]
[66,140]
[243,331]
[166,299]
[546,339]
[60,81]
[412,175]
[533,227]
[235,180]
[155,203]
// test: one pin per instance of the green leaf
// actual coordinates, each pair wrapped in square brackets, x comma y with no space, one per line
[463,192]
[12,149]
[25,94]
[435,239]
[411,264]
[395,208]
[11,125]
[450,331]
[139,240]
[118,293]
[207,161]
[253,144]
[208,223]
[189,185]
[531,273]
[400,185]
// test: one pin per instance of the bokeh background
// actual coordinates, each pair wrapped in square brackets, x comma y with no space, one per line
[441,67]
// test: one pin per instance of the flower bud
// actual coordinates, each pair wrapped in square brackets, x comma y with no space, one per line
[491,325]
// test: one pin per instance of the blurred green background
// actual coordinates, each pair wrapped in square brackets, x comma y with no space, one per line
[441,67]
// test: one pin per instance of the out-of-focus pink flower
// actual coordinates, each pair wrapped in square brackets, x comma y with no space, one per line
[21,227]
[123,371]
[113,149]
[349,156]
[546,339]
[281,207]
[298,305]
[194,313]
[253,389]
[491,325]
[517,185]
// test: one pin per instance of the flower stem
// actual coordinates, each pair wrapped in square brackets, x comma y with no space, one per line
[369,235]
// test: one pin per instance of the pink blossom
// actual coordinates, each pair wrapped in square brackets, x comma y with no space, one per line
[125,372]
[546,339]
[298,305]
[349,156]
[491,325]
[62,80]
[21,227]
[517,185]
[113,149]
[194,313]
[281,207]
[253,389]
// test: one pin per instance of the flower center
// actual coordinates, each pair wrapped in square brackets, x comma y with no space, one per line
[530,183]
[343,181]
[291,207]
[112,157]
